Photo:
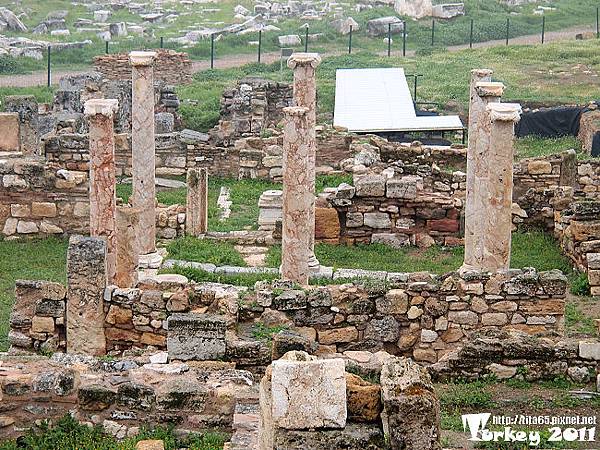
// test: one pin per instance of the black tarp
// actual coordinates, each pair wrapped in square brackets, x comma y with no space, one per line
[596,145]
[551,122]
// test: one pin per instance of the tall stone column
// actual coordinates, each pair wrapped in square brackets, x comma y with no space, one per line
[196,213]
[497,226]
[476,203]
[127,253]
[86,280]
[142,148]
[304,66]
[103,200]
[298,196]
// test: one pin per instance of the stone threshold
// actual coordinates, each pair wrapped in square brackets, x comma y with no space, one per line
[323,272]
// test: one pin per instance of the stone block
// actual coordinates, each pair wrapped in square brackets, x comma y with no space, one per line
[9,138]
[327,223]
[589,350]
[43,209]
[370,186]
[378,220]
[364,399]
[403,188]
[593,261]
[395,301]
[355,436]
[196,336]
[323,380]
[42,324]
[338,335]
[394,240]
[354,220]
[539,167]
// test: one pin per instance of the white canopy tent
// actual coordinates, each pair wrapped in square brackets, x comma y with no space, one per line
[379,100]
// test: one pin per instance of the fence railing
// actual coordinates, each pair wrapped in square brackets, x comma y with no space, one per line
[434,40]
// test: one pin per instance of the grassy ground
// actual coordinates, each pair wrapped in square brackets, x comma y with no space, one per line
[532,146]
[67,433]
[557,73]
[509,398]
[42,94]
[489,23]
[33,260]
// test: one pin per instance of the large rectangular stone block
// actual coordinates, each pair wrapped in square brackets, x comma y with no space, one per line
[86,280]
[196,337]
[309,394]
[9,138]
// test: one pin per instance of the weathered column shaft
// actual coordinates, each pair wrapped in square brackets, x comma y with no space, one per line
[86,281]
[298,196]
[497,228]
[196,213]
[127,253]
[476,203]
[305,95]
[142,148]
[27,108]
[102,176]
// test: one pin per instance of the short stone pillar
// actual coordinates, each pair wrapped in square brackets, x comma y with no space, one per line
[27,108]
[142,148]
[476,203]
[304,66]
[196,212]
[86,281]
[128,256]
[298,196]
[103,200]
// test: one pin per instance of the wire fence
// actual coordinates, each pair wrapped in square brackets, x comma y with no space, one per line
[237,50]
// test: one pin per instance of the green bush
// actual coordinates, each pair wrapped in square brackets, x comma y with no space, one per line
[580,284]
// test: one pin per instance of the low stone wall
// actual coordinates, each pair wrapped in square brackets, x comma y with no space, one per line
[589,178]
[509,354]
[39,198]
[420,315]
[169,66]
[122,396]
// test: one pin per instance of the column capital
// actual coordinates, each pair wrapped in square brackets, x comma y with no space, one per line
[489,89]
[504,112]
[138,58]
[481,73]
[295,111]
[304,59]
[104,106]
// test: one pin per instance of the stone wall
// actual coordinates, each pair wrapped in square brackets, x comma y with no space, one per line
[417,314]
[121,396]
[169,66]
[40,198]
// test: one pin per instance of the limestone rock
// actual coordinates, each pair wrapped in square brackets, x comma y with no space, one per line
[364,399]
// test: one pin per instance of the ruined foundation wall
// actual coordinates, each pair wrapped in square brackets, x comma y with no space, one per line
[422,316]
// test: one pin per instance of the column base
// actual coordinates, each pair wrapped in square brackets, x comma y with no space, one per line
[313,263]
[152,260]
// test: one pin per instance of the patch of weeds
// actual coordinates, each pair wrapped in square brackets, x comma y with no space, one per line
[518,383]
[580,284]
[466,395]
[577,322]
[202,276]
[67,433]
[372,376]
[205,251]
[566,401]
[451,421]
[560,382]
[264,333]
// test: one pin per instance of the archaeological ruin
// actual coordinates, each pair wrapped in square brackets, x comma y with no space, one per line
[126,343]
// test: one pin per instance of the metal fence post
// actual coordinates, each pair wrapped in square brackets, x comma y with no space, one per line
[212,51]
[162,42]
[471,35]
[259,44]
[106,47]
[49,76]
[350,41]
[404,38]
[432,32]
[507,29]
[389,42]
[306,41]
[543,28]
[597,22]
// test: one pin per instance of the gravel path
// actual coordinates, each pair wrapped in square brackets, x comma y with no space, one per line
[224,62]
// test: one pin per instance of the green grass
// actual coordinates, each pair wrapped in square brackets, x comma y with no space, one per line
[532,146]
[264,333]
[466,395]
[207,251]
[42,94]
[43,259]
[201,276]
[578,322]
[529,249]
[68,434]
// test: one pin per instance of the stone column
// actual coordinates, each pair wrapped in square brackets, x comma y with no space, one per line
[86,281]
[196,213]
[142,148]
[305,95]
[127,253]
[497,226]
[27,108]
[476,203]
[103,200]
[298,196]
